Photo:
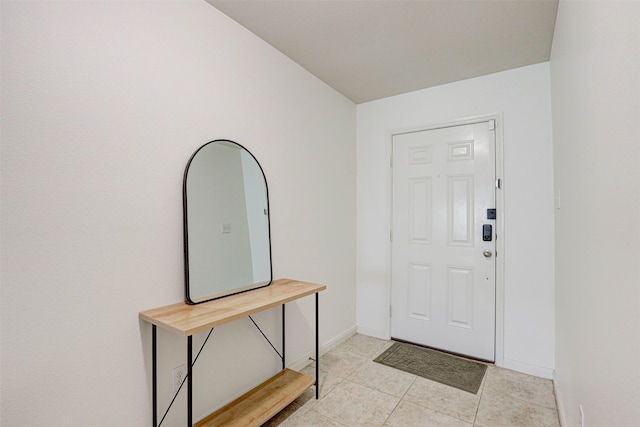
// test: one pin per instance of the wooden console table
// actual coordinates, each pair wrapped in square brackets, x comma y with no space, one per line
[264,401]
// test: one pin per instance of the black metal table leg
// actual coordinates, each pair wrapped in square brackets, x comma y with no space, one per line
[317,350]
[189,381]
[283,339]
[154,374]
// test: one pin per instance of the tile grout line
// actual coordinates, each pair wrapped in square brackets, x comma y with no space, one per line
[400,400]
[483,385]
[370,358]
[367,358]
[439,411]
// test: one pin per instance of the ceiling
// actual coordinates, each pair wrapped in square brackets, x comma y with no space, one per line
[372,49]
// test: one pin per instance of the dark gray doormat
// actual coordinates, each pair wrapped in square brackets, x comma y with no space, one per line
[434,365]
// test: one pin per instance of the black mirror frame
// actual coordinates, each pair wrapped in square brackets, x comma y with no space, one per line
[188,298]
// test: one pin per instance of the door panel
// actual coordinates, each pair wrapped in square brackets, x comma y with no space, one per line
[443,287]
[460,293]
[419,211]
[460,218]
[419,291]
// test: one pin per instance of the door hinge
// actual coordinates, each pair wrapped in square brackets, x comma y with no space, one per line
[391,235]
[498,183]
[391,161]
[492,125]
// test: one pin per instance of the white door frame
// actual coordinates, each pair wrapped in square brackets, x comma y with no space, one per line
[500,236]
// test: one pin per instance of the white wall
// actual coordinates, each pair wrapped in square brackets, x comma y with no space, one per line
[522,97]
[102,105]
[595,82]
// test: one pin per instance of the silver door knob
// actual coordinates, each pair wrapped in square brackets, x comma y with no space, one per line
[487,253]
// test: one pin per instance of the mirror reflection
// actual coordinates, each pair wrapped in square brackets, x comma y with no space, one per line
[226,222]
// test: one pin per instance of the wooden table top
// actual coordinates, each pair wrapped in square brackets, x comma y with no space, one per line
[186,319]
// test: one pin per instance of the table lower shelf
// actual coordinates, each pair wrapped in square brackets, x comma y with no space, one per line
[260,404]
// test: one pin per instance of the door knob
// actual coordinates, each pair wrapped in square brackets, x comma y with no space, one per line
[487,253]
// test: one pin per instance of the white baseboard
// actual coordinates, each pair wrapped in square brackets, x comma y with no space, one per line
[559,405]
[371,332]
[299,364]
[526,368]
[336,341]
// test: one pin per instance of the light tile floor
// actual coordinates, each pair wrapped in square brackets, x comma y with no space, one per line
[355,391]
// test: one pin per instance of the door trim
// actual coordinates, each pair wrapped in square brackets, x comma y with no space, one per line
[500,232]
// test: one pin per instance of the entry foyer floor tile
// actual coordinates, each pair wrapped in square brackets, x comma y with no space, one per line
[355,391]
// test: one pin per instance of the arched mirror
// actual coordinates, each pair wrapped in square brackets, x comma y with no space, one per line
[227,245]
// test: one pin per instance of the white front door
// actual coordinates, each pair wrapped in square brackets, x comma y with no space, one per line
[442,261]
